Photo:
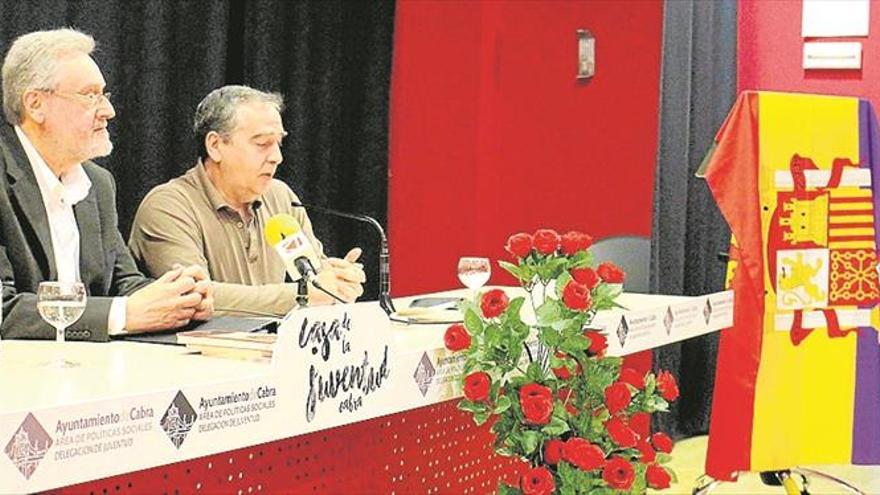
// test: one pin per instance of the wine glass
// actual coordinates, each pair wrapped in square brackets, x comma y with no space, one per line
[474,272]
[61,304]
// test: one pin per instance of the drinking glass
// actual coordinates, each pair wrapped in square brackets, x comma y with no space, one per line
[61,304]
[474,272]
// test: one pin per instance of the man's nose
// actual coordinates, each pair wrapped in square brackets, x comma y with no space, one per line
[105,109]
[276,157]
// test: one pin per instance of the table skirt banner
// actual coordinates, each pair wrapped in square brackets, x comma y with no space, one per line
[331,366]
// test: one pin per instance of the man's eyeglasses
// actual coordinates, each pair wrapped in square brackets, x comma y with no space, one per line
[93,100]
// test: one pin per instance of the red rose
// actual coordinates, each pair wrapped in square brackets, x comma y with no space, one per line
[571,242]
[537,403]
[493,303]
[617,397]
[618,473]
[610,273]
[667,386]
[553,451]
[620,433]
[457,337]
[563,372]
[537,481]
[519,245]
[586,276]
[546,241]
[648,454]
[576,296]
[662,442]
[598,343]
[476,386]
[657,477]
[582,454]
[585,242]
[640,422]
[633,377]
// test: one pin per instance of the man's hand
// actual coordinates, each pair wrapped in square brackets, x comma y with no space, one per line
[169,302]
[343,277]
[205,309]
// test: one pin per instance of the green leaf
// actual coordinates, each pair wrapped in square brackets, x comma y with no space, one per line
[556,427]
[639,483]
[561,282]
[551,268]
[473,407]
[550,337]
[563,324]
[481,417]
[504,489]
[473,322]
[534,372]
[580,259]
[575,343]
[503,404]
[567,474]
[493,335]
[529,440]
[512,312]
[548,312]
[519,330]
[515,270]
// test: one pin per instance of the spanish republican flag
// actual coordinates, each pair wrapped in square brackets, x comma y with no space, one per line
[798,378]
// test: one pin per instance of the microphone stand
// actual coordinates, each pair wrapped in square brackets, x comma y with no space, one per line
[302,292]
[384,260]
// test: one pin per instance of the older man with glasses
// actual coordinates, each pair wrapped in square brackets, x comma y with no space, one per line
[58,216]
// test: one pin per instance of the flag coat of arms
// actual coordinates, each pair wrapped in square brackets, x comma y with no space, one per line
[798,375]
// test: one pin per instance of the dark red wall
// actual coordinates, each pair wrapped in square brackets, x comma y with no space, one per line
[491,133]
[770,53]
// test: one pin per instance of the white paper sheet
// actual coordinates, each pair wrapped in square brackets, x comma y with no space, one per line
[826,18]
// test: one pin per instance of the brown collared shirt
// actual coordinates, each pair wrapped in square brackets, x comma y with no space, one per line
[187,221]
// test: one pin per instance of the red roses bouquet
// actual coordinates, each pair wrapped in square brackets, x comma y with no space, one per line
[580,421]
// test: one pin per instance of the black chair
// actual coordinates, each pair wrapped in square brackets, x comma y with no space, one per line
[632,254]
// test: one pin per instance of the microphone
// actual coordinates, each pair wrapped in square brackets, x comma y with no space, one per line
[285,235]
[384,260]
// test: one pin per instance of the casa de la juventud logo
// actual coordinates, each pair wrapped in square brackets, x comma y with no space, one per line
[178,419]
[28,446]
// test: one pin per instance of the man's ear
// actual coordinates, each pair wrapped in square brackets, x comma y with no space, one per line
[212,146]
[34,106]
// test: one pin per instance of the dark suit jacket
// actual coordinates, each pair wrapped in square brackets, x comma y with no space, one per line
[27,258]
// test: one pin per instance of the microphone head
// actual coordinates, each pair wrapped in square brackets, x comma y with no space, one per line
[280,226]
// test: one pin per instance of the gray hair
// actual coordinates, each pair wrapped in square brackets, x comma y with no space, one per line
[31,64]
[216,112]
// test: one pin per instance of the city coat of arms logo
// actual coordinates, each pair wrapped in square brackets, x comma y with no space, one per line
[28,446]
[178,419]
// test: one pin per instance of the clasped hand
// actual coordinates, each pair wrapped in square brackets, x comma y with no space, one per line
[343,277]
[179,296]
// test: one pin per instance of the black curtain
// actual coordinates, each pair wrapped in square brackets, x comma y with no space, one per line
[331,59]
[698,87]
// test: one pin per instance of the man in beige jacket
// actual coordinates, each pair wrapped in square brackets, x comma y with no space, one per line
[214,214]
